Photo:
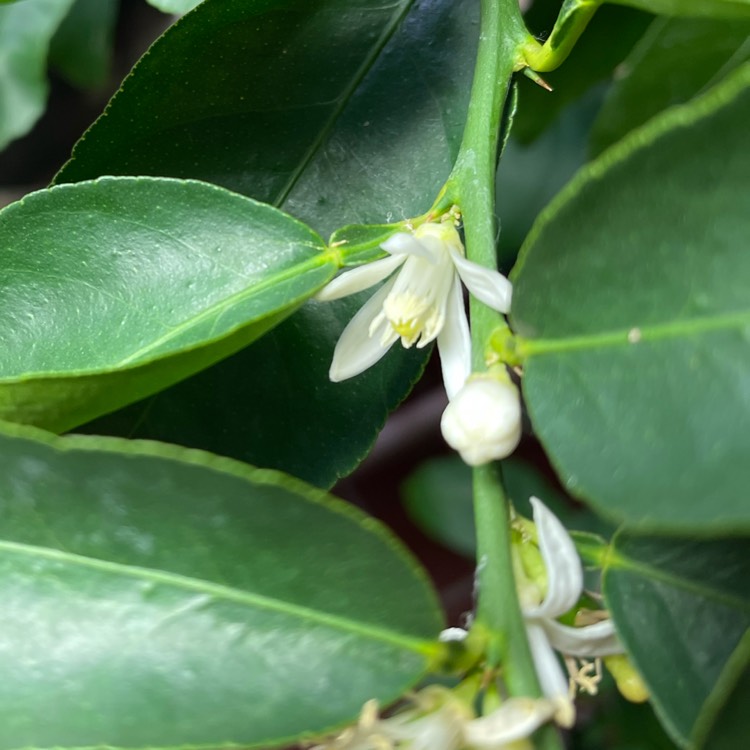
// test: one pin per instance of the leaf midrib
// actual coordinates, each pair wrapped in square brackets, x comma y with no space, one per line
[533,347]
[226,593]
[343,101]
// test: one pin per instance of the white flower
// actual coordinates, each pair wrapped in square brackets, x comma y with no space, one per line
[483,420]
[441,720]
[516,719]
[420,303]
[545,633]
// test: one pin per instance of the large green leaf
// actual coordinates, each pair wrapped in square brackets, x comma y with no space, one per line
[675,61]
[312,106]
[158,597]
[698,8]
[25,32]
[273,405]
[681,608]
[116,288]
[531,174]
[250,114]
[723,723]
[631,301]
[82,46]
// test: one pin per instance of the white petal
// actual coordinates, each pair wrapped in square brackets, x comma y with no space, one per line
[599,639]
[358,279]
[407,244]
[516,719]
[454,342]
[437,731]
[453,635]
[483,420]
[356,350]
[564,571]
[487,285]
[552,679]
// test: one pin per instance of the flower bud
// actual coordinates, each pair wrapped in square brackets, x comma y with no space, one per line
[628,681]
[483,420]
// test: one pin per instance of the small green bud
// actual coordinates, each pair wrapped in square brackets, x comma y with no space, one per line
[628,681]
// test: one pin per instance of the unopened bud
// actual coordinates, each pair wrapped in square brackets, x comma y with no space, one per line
[483,420]
[628,681]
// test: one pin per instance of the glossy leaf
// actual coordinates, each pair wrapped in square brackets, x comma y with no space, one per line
[277,74]
[531,174]
[697,8]
[681,607]
[25,32]
[338,134]
[273,405]
[631,300]
[676,60]
[81,49]
[116,288]
[158,597]
[723,724]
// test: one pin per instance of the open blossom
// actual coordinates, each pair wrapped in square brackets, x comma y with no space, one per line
[483,420]
[421,301]
[546,635]
[441,720]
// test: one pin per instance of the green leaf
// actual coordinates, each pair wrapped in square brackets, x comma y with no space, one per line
[313,107]
[681,607]
[279,72]
[116,288]
[609,721]
[273,405]
[360,243]
[336,134]
[25,33]
[530,174]
[439,499]
[81,49]
[631,301]
[174,6]
[723,723]
[698,8]
[158,597]
[676,60]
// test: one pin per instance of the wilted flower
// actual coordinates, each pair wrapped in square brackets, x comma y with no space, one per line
[440,719]
[422,302]
[483,420]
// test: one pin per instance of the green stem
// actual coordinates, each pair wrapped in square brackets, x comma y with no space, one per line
[497,609]
[498,612]
[472,185]
[573,18]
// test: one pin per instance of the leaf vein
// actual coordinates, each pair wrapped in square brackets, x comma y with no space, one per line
[226,593]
